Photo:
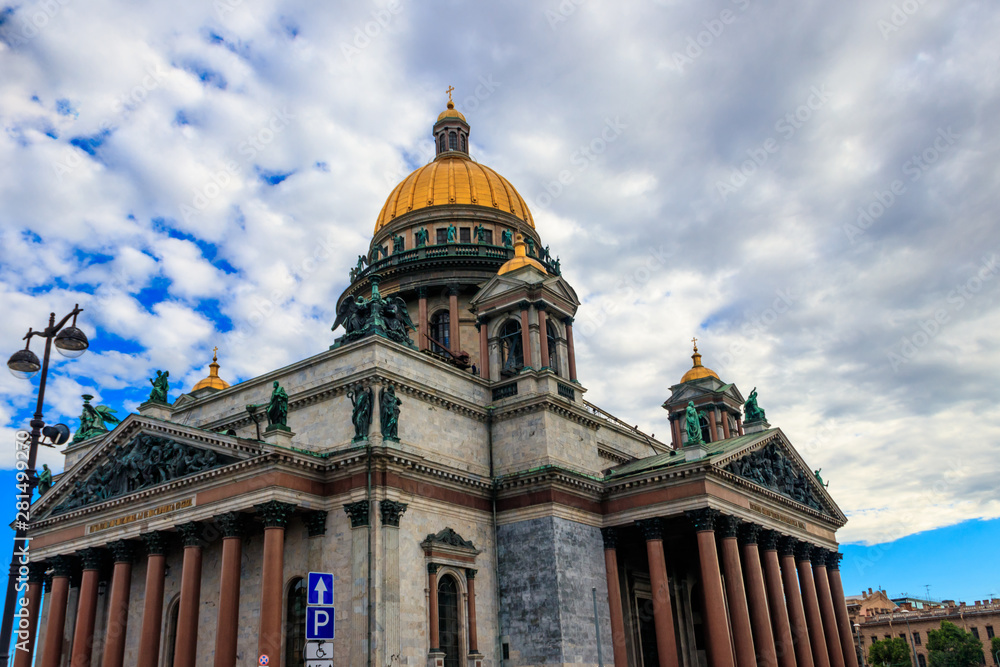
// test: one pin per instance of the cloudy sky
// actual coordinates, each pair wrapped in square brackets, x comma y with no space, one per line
[809,188]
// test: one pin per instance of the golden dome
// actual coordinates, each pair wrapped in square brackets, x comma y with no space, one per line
[450,112]
[697,370]
[453,178]
[520,259]
[213,380]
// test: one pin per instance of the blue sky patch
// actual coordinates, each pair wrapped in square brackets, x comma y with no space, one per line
[65,108]
[272,177]
[90,144]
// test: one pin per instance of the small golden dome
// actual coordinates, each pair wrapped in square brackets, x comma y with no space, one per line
[453,178]
[451,112]
[520,259]
[213,380]
[697,370]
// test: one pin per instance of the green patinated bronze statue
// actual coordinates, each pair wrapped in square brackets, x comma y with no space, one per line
[692,424]
[94,420]
[44,480]
[452,234]
[277,408]
[361,414]
[751,411]
[398,244]
[819,478]
[530,242]
[420,237]
[389,413]
[507,237]
[480,233]
[161,385]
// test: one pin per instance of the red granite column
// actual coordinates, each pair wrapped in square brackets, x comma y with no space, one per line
[52,651]
[86,610]
[26,636]
[423,343]
[432,588]
[121,586]
[739,611]
[675,430]
[543,338]
[186,643]
[470,579]
[454,340]
[810,603]
[784,647]
[718,638]
[663,614]
[725,426]
[275,516]
[739,425]
[526,334]
[840,610]
[760,620]
[826,612]
[618,645]
[793,598]
[483,326]
[152,607]
[227,626]
[570,349]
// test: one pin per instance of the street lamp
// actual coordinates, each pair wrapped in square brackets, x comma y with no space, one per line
[857,633]
[70,342]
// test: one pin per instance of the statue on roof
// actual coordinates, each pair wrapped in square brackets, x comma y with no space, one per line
[530,242]
[94,420]
[161,384]
[277,407]
[420,237]
[480,233]
[44,480]
[452,234]
[751,411]
[819,478]
[692,424]
[361,413]
[389,412]
[507,237]
[398,244]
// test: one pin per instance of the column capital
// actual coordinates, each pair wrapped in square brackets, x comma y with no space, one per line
[454,289]
[729,525]
[315,521]
[804,551]
[541,306]
[470,573]
[36,572]
[156,543]
[610,537]
[819,556]
[191,534]
[768,539]
[391,512]
[482,320]
[275,514]
[233,524]
[432,568]
[123,551]
[787,545]
[524,305]
[703,519]
[833,560]
[422,292]
[358,512]
[568,321]
[749,533]
[64,565]
[652,529]
[92,558]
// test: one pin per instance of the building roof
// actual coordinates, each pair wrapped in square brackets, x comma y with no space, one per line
[676,457]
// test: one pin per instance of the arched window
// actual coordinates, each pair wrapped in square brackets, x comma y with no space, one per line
[553,339]
[295,624]
[449,632]
[511,351]
[464,148]
[441,144]
[441,331]
[171,633]
[452,141]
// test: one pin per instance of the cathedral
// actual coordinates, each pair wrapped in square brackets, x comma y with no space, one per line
[442,462]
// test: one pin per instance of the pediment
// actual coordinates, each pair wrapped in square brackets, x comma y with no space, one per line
[773,464]
[141,454]
[448,538]
[495,287]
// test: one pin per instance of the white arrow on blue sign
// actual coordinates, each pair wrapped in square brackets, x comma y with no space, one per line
[319,623]
[320,588]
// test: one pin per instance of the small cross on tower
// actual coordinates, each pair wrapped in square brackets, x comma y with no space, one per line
[450,88]
[695,341]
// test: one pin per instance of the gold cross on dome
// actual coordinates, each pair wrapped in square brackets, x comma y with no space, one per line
[215,349]
[450,88]
[695,341]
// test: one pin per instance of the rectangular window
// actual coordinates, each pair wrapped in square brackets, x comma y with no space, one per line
[916,638]
[902,635]
[888,636]
[989,631]
[975,632]
[874,639]
[442,236]
[921,660]
[488,236]
[465,235]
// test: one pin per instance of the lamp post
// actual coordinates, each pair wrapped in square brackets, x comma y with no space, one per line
[857,634]
[70,342]
[909,634]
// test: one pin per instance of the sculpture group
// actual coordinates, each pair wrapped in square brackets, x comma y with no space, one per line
[94,420]
[771,468]
[362,411]
[376,316]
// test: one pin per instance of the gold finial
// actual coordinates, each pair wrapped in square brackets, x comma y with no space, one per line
[215,356]
[695,341]
[450,103]
[213,380]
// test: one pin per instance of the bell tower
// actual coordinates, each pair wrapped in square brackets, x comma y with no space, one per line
[719,404]
[451,131]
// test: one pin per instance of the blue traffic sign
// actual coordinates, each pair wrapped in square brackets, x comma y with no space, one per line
[320,588]
[319,623]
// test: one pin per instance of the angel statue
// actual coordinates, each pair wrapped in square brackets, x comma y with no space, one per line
[351,315]
[93,420]
[397,321]
[161,384]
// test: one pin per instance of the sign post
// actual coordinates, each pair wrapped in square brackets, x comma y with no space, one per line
[320,614]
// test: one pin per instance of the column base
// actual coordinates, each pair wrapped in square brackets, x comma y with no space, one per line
[435,659]
[156,410]
[475,660]
[277,435]
[755,427]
